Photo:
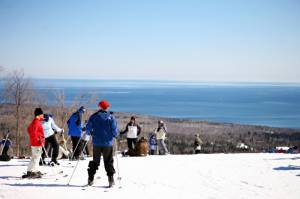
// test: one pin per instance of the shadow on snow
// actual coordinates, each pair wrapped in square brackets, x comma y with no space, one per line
[43,185]
[288,168]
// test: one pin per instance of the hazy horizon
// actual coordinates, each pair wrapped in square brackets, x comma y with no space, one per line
[168,80]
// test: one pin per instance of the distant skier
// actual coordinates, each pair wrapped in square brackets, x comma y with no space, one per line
[6,144]
[197,144]
[133,130]
[50,128]
[102,126]
[160,133]
[76,127]
[152,144]
[37,140]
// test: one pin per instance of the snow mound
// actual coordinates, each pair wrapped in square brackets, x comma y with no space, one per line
[204,176]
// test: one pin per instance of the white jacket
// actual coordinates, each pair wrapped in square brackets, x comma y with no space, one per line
[132,132]
[160,134]
[49,127]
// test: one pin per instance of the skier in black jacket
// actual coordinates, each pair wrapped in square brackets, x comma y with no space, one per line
[133,130]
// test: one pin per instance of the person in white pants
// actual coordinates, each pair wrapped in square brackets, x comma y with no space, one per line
[37,141]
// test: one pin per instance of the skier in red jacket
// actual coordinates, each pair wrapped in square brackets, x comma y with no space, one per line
[37,141]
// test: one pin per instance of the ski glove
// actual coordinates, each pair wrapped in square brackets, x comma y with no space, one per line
[87,138]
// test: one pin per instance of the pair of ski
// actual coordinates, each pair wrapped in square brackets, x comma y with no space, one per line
[45,176]
[106,188]
[55,171]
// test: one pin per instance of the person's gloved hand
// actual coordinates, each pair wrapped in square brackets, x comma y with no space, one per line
[87,138]
[84,128]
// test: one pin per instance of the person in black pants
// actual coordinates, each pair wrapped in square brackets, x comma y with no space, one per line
[6,144]
[76,146]
[132,130]
[50,129]
[76,127]
[102,126]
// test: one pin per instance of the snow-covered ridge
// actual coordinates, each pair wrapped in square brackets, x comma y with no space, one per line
[204,176]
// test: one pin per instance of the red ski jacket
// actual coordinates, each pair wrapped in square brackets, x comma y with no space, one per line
[36,133]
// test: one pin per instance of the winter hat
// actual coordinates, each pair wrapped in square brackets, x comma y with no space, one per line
[81,109]
[160,122]
[38,111]
[104,104]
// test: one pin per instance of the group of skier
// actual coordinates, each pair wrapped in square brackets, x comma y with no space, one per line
[101,127]
[156,139]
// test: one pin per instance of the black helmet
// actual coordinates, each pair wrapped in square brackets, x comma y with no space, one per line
[82,109]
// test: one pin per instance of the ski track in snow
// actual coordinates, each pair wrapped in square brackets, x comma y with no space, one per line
[205,176]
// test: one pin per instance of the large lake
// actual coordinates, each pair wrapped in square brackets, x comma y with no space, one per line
[271,104]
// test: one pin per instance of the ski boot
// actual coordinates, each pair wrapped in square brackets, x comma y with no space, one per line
[42,163]
[93,167]
[90,182]
[53,163]
[111,181]
[32,175]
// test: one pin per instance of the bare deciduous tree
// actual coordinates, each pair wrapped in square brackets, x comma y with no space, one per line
[18,92]
[61,111]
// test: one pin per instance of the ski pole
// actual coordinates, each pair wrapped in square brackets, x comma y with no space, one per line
[41,159]
[55,174]
[4,143]
[118,170]
[76,148]
[76,164]
[46,153]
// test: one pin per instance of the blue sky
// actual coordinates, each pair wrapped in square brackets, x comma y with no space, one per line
[199,40]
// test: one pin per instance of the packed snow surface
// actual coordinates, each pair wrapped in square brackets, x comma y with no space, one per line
[203,176]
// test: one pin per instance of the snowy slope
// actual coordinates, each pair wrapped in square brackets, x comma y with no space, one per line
[258,176]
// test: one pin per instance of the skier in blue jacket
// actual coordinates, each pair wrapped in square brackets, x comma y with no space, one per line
[76,126]
[102,126]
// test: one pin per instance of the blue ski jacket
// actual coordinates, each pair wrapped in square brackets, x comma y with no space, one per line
[75,124]
[103,128]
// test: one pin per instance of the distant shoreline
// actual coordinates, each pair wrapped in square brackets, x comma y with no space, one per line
[195,120]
